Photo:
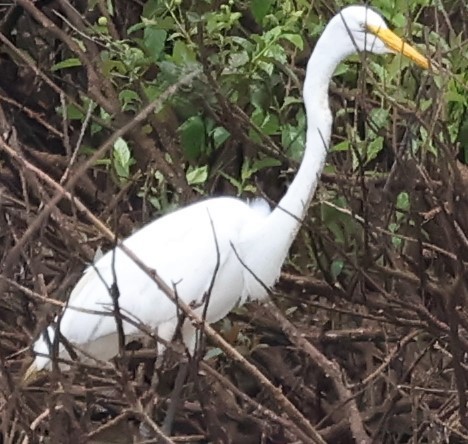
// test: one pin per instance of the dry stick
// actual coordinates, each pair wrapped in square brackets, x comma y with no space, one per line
[389,358]
[391,397]
[14,253]
[36,422]
[358,218]
[452,298]
[379,371]
[431,320]
[329,368]
[108,425]
[10,393]
[257,408]
[94,80]
[31,114]
[175,398]
[74,155]
[162,437]
[31,64]
[306,431]
[186,438]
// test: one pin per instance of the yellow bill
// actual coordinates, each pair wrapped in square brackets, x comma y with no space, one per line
[396,44]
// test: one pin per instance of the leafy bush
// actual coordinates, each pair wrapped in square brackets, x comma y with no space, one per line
[380,264]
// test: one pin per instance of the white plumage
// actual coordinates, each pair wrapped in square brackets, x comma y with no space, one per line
[181,246]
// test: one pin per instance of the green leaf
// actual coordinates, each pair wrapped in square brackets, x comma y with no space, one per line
[293,138]
[136,27]
[246,170]
[272,34]
[74,113]
[266,162]
[197,175]
[373,148]
[396,241]
[403,202]
[219,135]
[295,39]
[213,353]
[193,137]
[153,8]
[152,91]
[341,69]
[122,158]
[68,63]
[454,96]
[260,9]
[290,100]
[128,97]
[238,59]
[277,53]
[336,268]
[342,146]
[113,66]
[110,7]
[270,125]
[379,119]
[154,40]
[182,53]
[266,67]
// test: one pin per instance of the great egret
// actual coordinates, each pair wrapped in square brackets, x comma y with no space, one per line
[246,243]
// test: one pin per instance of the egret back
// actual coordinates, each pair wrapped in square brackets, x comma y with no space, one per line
[192,249]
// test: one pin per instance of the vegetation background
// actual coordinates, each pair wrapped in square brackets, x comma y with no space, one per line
[373,342]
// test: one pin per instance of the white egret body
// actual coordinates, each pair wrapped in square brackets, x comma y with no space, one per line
[181,246]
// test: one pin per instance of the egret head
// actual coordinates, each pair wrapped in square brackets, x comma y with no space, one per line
[363,29]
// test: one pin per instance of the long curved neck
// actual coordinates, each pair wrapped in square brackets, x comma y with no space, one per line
[292,208]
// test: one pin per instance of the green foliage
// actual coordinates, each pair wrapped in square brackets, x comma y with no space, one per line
[122,159]
[250,52]
[403,207]
[199,136]
[68,63]
[197,176]
[339,223]
[193,137]
[154,40]
[248,170]
[260,9]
